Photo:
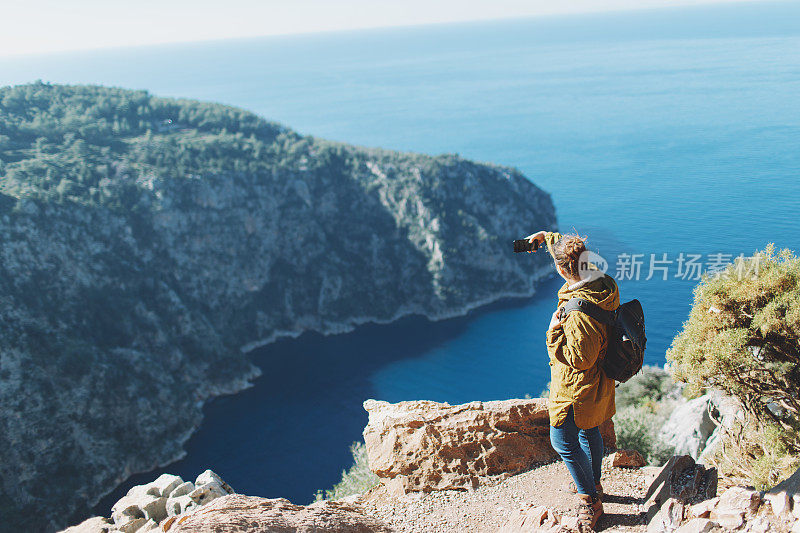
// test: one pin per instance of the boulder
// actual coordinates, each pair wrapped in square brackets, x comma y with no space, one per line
[207,492]
[156,509]
[627,459]
[180,504]
[702,509]
[741,498]
[680,479]
[182,490]
[728,518]
[163,485]
[761,524]
[236,512]
[735,505]
[96,524]
[738,508]
[128,508]
[689,426]
[130,526]
[155,502]
[780,502]
[668,518]
[424,445]
[210,477]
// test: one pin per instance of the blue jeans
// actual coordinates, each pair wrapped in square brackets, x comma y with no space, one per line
[582,452]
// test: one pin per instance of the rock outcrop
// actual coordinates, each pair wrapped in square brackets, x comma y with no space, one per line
[689,426]
[148,243]
[249,514]
[695,426]
[209,505]
[683,499]
[729,414]
[679,483]
[737,509]
[158,505]
[425,446]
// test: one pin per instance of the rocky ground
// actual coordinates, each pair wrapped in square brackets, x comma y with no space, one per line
[468,469]
[489,507]
[676,498]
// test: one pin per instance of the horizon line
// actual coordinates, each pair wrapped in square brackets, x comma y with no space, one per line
[601,12]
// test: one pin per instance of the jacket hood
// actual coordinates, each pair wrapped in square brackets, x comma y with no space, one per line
[602,291]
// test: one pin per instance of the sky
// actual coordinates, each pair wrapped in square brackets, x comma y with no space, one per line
[45,26]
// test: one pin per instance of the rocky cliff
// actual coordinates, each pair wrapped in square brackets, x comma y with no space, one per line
[421,446]
[148,243]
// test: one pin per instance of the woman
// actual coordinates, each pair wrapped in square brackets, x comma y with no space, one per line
[581,396]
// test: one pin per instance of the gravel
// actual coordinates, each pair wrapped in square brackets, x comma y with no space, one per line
[488,507]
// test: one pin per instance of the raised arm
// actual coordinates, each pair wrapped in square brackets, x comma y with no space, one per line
[547,237]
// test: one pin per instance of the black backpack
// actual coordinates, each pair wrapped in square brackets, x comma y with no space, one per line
[626,339]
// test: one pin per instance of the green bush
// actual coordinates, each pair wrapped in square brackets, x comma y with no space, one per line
[755,453]
[743,337]
[358,479]
[637,429]
[643,405]
[650,386]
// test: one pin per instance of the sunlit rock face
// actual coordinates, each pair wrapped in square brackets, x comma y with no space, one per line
[422,446]
[147,241]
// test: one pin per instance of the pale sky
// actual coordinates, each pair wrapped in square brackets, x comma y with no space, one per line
[42,26]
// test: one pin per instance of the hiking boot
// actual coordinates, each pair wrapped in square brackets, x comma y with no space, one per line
[589,512]
[598,488]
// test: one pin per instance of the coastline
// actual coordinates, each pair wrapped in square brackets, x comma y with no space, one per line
[352,324]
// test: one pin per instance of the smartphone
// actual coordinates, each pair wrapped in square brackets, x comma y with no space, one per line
[523,245]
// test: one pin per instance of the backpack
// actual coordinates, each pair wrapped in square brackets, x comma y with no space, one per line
[626,338]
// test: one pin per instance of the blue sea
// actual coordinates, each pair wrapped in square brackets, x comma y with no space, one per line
[657,132]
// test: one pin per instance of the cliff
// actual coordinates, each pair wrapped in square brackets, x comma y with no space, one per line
[148,244]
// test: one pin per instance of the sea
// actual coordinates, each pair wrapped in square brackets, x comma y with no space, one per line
[669,137]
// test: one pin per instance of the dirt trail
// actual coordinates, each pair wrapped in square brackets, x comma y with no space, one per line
[486,509]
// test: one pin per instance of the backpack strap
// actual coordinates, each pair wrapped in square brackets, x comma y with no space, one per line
[588,308]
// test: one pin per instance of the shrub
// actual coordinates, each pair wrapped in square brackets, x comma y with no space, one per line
[756,453]
[648,387]
[356,480]
[743,337]
[637,429]
[643,404]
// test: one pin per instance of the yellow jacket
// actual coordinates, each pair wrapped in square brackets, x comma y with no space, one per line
[576,347]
